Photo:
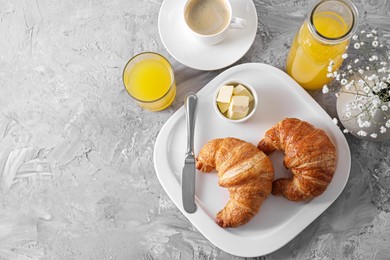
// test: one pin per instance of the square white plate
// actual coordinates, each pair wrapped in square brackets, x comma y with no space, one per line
[279,220]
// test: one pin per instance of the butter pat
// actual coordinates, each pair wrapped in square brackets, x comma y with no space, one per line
[225,94]
[240,90]
[239,103]
[239,107]
[237,115]
[223,107]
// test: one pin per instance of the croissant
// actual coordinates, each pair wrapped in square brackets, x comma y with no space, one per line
[309,154]
[242,168]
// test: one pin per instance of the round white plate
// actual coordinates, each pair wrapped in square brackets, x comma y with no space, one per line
[188,51]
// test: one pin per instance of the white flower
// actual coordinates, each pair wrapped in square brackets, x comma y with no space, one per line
[373,77]
[361,71]
[325,89]
[375,44]
[374,31]
[361,43]
[367,124]
[335,121]
[344,56]
[373,57]
[384,108]
[355,37]
[362,133]
[329,75]
[344,81]
[349,67]
[361,83]
[373,112]
[376,102]
[356,46]
[356,61]
[388,123]
[345,131]
[360,123]
[383,129]
[348,114]
[374,135]
[330,68]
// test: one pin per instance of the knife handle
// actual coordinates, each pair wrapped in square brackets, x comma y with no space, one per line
[190,103]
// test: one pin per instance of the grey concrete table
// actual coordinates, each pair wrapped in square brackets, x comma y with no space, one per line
[77,179]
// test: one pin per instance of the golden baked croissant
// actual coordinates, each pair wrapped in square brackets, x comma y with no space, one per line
[242,168]
[309,154]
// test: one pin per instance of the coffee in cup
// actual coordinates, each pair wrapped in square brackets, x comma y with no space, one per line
[207,17]
[209,20]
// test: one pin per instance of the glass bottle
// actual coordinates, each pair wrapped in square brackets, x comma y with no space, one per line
[322,40]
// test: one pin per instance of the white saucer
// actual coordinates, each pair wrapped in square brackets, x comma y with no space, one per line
[188,51]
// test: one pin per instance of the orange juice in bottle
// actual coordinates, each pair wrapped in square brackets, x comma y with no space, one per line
[149,79]
[322,38]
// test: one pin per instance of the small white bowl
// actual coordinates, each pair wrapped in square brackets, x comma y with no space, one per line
[235,83]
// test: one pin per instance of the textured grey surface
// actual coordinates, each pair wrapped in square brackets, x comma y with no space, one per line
[76,170]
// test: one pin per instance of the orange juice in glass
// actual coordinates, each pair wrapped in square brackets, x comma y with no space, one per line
[323,37]
[148,78]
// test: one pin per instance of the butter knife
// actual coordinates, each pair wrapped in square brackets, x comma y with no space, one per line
[188,173]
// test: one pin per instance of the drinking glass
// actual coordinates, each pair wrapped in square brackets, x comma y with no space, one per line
[148,78]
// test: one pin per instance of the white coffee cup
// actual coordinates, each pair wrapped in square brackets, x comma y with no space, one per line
[209,21]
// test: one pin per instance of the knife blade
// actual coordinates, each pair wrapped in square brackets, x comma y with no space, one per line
[188,173]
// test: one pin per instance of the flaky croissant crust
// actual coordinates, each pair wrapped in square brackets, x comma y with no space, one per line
[309,154]
[244,170]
